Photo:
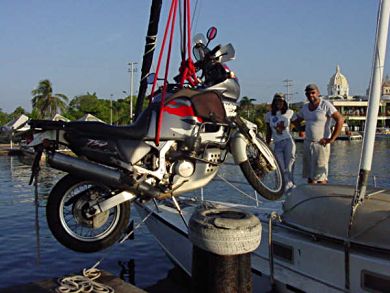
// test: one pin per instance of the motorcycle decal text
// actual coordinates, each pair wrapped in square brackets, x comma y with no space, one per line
[96,143]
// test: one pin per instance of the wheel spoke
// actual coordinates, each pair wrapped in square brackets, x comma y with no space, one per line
[267,181]
[75,220]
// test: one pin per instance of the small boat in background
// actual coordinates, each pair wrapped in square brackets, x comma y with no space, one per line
[346,134]
[382,133]
[350,135]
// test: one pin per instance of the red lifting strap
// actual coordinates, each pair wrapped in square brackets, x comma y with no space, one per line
[188,73]
[187,68]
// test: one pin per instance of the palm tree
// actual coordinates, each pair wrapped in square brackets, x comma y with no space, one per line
[45,102]
[246,103]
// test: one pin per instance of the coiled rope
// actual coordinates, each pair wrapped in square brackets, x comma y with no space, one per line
[83,284]
[86,283]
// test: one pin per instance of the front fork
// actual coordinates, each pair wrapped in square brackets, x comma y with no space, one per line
[247,134]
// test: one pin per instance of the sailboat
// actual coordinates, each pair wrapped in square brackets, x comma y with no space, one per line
[322,238]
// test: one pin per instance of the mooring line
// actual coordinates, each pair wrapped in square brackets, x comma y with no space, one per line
[123,239]
[236,188]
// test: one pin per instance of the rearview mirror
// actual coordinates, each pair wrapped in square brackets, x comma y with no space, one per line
[211,33]
[150,78]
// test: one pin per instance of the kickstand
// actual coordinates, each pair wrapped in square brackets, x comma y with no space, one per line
[179,210]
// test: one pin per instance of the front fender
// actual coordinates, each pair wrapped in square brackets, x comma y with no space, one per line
[238,145]
[249,124]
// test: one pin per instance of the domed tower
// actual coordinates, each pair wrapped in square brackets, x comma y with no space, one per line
[338,85]
[386,86]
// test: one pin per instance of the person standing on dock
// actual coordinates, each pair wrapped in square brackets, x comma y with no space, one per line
[278,122]
[317,114]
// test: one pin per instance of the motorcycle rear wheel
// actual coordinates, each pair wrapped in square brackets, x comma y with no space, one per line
[65,213]
[268,183]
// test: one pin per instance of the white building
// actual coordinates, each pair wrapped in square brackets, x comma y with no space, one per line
[338,85]
[354,108]
[386,88]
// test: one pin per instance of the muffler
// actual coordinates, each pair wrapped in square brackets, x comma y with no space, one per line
[99,173]
[85,169]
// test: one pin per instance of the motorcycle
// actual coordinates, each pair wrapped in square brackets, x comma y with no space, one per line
[89,208]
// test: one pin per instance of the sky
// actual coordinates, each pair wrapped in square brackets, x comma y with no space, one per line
[85,45]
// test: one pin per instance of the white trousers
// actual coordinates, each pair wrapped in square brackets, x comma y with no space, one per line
[285,154]
[315,160]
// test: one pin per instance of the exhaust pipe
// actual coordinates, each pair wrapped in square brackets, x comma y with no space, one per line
[99,173]
[81,168]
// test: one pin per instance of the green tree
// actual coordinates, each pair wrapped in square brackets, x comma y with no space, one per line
[45,103]
[259,117]
[246,106]
[3,117]
[81,105]
[122,106]
[121,111]
[17,112]
[253,112]
[90,103]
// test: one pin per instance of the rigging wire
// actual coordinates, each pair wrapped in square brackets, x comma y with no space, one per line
[236,188]
[194,17]
[182,44]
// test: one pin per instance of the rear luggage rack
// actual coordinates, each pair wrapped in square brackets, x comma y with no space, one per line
[47,124]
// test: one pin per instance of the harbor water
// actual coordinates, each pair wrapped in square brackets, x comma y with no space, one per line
[28,251]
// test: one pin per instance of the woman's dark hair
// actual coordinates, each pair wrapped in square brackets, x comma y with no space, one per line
[274,109]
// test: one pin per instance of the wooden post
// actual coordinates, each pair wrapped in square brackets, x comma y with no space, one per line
[223,239]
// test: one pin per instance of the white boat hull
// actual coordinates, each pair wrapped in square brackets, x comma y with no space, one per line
[301,260]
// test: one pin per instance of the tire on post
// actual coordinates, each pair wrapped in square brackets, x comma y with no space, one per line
[225,231]
[223,239]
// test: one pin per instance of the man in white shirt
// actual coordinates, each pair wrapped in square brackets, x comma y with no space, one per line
[317,115]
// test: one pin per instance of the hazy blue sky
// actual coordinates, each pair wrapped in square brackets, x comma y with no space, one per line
[85,45]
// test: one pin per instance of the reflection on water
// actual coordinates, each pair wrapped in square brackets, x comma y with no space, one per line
[36,210]
[127,272]
[28,251]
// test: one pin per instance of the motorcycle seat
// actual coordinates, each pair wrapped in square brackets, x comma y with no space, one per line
[137,130]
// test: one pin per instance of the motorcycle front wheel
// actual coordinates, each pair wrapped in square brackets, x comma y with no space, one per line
[267,181]
[66,215]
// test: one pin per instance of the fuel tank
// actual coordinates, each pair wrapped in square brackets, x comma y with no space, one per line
[178,121]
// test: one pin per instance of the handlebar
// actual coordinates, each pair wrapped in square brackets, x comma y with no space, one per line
[215,50]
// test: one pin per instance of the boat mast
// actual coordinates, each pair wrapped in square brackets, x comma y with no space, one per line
[150,46]
[373,105]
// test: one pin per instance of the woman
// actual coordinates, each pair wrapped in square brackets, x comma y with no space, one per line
[278,127]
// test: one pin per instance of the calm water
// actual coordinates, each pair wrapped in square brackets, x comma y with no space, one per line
[28,252]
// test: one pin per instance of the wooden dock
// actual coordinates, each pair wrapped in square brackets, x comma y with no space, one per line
[49,286]
[4,149]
